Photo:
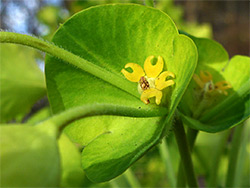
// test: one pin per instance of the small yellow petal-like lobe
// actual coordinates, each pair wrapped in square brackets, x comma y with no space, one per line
[205,76]
[161,82]
[223,85]
[149,93]
[136,74]
[152,71]
[198,81]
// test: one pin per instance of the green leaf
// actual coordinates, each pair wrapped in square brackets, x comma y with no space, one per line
[72,172]
[21,81]
[111,36]
[225,111]
[29,156]
[211,57]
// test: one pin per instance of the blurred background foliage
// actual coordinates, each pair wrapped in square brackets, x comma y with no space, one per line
[225,21]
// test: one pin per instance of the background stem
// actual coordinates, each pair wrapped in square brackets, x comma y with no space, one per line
[243,156]
[218,151]
[191,137]
[233,155]
[165,156]
[113,183]
[132,180]
[185,153]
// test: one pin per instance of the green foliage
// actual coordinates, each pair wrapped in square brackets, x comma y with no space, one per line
[114,36]
[51,16]
[72,174]
[177,14]
[29,156]
[219,112]
[21,81]
[99,124]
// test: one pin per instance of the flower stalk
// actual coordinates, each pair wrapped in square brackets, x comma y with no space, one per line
[185,153]
[233,155]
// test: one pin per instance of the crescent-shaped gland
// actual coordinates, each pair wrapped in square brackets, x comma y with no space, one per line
[136,74]
[152,71]
[198,81]
[205,76]
[161,82]
[222,86]
[149,93]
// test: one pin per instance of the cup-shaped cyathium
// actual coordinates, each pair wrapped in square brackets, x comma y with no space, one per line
[217,98]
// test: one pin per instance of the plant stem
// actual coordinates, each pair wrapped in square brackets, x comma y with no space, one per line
[218,151]
[201,159]
[243,155]
[149,3]
[164,152]
[181,179]
[68,116]
[112,78]
[113,183]
[185,153]
[191,136]
[233,155]
[132,179]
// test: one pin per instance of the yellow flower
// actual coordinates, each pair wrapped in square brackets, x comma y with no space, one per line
[151,82]
[205,82]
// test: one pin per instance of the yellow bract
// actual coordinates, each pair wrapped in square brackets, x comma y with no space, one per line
[152,82]
[223,85]
[206,78]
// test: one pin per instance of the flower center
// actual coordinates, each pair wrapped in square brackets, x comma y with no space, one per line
[206,84]
[145,83]
[209,86]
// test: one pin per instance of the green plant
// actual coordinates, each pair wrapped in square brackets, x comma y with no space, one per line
[100,110]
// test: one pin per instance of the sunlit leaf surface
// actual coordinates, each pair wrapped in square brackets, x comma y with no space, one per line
[111,36]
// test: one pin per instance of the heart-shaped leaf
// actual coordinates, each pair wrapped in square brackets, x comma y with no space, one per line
[221,111]
[111,36]
[21,81]
[29,156]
